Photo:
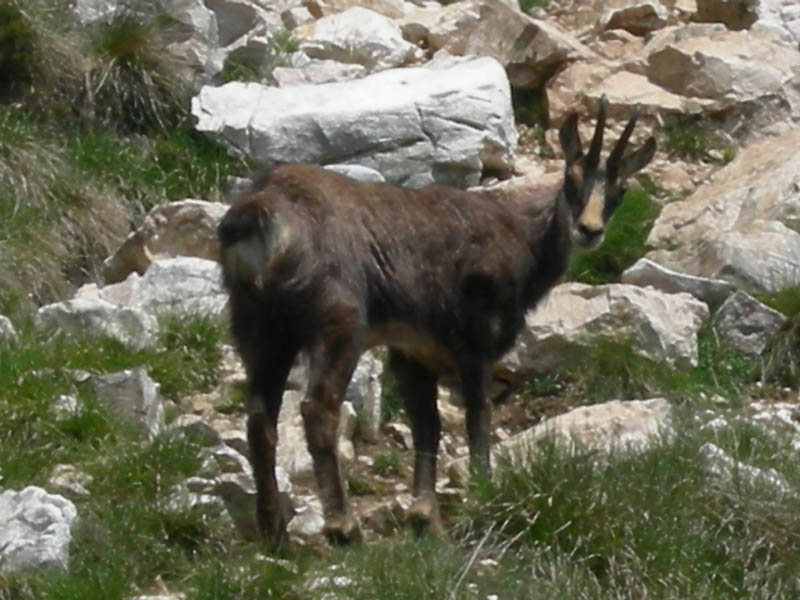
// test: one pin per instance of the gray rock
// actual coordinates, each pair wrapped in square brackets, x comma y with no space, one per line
[659,326]
[181,286]
[68,480]
[183,228]
[747,324]
[132,396]
[645,272]
[616,426]
[364,392]
[195,428]
[65,407]
[130,326]
[35,530]
[316,72]
[361,36]
[446,122]
[725,468]
[7,331]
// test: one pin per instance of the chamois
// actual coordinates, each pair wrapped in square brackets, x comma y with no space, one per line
[316,262]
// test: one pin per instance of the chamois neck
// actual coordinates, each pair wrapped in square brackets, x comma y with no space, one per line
[551,244]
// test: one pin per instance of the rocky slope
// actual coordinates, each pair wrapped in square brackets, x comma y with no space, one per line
[416,92]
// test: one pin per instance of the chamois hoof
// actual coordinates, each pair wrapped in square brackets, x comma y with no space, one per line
[343,530]
[423,516]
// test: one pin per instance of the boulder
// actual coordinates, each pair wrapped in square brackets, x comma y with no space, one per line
[734,69]
[747,324]
[181,286]
[532,50]
[358,36]
[645,272]
[130,326]
[742,226]
[132,396]
[615,426]
[183,228]
[35,530]
[661,327]
[446,122]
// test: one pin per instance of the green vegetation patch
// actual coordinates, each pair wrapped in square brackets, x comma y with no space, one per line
[688,137]
[650,524]
[623,244]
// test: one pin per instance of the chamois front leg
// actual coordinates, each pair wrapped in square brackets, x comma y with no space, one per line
[333,359]
[475,378]
[417,388]
[267,380]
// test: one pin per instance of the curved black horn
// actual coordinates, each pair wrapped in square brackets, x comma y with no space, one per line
[593,158]
[615,158]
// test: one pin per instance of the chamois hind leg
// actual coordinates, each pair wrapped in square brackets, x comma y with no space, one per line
[333,359]
[475,378]
[417,388]
[267,379]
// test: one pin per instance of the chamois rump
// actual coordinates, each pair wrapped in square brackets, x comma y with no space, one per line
[316,262]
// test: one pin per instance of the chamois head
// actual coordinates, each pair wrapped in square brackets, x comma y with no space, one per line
[593,191]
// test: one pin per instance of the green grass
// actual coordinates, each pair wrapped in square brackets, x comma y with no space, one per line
[244,65]
[624,241]
[650,524]
[689,138]
[388,463]
[783,353]
[527,6]
[617,372]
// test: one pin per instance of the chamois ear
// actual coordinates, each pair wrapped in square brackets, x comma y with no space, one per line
[570,139]
[638,159]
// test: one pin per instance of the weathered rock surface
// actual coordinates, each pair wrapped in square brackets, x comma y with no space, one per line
[359,36]
[364,393]
[609,427]
[446,122]
[574,316]
[747,324]
[780,17]
[389,8]
[530,49]
[181,286]
[726,469]
[645,272]
[184,228]
[639,18]
[35,530]
[743,225]
[130,326]
[133,397]
[315,72]
[732,68]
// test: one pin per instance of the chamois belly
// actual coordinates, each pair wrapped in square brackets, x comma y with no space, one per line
[413,343]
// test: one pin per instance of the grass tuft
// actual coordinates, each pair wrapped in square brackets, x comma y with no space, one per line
[647,525]
[133,82]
